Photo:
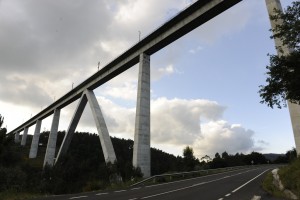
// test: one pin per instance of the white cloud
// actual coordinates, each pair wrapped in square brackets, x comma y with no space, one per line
[220,136]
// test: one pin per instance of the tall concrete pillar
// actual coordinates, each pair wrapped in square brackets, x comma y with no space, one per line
[51,146]
[72,127]
[24,137]
[294,109]
[17,137]
[106,144]
[141,149]
[35,140]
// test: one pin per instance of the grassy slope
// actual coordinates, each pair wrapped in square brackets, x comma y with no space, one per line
[290,177]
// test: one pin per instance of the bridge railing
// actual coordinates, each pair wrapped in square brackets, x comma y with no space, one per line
[182,175]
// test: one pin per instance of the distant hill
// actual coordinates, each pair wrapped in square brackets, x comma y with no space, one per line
[272,156]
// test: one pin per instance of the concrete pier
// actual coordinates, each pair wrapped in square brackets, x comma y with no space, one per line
[24,137]
[141,149]
[294,109]
[17,137]
[35,140]
[51,146]
[106,144]
[72,127]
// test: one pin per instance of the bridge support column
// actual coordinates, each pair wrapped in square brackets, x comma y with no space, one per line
[51,146]
[72,127]
[141,149]
[17,137]
[106,144]
[24,137]
[35,140]
[294,109]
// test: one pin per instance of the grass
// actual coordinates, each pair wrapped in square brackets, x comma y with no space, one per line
[11,195]
[290,177]
[268,186]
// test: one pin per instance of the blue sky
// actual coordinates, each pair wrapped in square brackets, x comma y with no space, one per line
[204,87]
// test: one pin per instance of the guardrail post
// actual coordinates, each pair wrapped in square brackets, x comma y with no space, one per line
[24,137]
[51,146]
[35,140]
[141,149]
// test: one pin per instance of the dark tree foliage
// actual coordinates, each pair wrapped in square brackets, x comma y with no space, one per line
[228,160]
[1,121]
[283,73]
[189,159]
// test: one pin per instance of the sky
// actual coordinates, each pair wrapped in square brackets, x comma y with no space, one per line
[204,86]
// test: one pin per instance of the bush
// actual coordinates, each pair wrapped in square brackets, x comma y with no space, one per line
[12,179]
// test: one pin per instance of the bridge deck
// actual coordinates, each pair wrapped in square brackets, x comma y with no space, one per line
[187,20]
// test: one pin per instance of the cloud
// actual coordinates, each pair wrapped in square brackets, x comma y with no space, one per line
[178,120]
[220,136]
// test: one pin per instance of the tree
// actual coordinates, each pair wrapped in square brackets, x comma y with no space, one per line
[189,159]
[1,120]
[283,73]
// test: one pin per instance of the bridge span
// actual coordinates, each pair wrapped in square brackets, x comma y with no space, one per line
[186,21]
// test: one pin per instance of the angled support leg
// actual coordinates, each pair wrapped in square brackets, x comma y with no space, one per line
[35,140]
[24,137]
[106,144]
[294,109]
[72,127]
[295,119]
[141,148]
[51,146]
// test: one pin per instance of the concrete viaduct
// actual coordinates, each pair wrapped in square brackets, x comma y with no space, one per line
[186,21]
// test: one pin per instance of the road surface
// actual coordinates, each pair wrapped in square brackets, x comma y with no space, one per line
[241,184]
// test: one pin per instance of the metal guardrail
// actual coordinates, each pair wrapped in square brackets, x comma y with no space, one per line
[183,174]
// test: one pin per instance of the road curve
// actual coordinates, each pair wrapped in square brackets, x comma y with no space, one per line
[241,184]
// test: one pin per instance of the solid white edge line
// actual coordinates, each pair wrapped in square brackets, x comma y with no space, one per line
[250,181]
[200,177]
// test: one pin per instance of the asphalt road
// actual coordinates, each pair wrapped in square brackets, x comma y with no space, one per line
[235,185]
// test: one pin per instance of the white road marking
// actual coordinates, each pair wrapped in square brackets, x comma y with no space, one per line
[120,191]
[136,188]
[149,186]
[191,186]
[132,199]
[78,197]
[256,197]
[227,195]
[220,199]
[101,194]
[249,181]
[184,188]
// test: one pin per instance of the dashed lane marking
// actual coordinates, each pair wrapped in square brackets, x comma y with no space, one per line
[79,197]
[227,195]
[101,194]
[136,188]
[120,191]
